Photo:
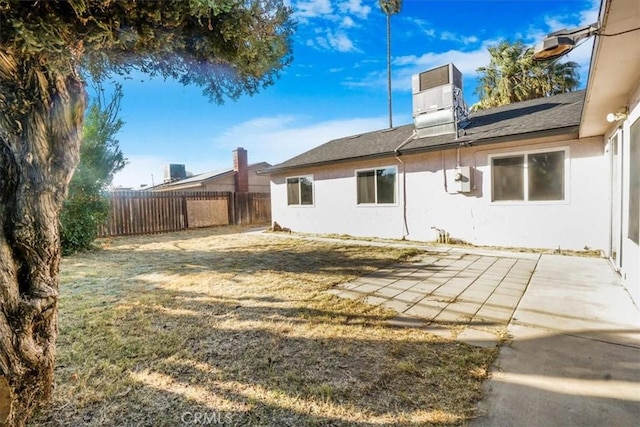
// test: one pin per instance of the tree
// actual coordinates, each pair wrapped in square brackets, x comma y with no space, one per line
[512,76]
[389,7]
[85,207]
[227,47]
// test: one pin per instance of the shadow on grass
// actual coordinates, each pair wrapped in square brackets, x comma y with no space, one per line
[209,358]
[179,353]
[245,336]
[318,261]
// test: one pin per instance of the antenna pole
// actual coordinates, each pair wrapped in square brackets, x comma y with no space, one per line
[389,69]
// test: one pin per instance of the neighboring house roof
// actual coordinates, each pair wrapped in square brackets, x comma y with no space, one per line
[554,115]
[200,178]
[203,178]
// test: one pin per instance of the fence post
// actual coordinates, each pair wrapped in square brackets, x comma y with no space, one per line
[185,212]
[232,202]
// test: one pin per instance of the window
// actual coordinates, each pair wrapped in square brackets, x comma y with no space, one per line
[300,190]
[376,186]
[529,177]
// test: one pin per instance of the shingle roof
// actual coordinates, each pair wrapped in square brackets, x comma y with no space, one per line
[201,177]
[206,176]
[558,114]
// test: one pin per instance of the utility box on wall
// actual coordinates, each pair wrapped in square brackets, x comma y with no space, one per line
[462,179]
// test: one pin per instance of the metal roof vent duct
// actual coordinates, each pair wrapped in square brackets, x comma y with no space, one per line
[438,104]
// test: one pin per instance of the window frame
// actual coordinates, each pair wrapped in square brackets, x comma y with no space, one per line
[525,172]
[313,191]
[374,170]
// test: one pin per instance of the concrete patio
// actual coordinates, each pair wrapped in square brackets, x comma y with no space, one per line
[572,356]
[471,296]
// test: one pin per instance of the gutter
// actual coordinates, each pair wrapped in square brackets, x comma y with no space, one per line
[570,131]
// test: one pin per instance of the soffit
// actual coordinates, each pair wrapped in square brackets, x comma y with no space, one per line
[615,66]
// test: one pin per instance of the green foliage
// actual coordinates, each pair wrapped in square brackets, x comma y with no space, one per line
[100,158]
[390,7]
[227,47]
[512,76]
[79,220]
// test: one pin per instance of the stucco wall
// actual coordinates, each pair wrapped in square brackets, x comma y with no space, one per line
[630,251]
[579,221]
[259,183]
[226,183]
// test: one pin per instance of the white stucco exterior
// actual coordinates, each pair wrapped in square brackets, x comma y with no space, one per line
[627,260]
[614,88]
[579,221]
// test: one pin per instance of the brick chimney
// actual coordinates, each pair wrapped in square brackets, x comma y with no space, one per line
[242,170]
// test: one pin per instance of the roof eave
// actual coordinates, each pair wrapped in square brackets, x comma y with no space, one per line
[325,162]
[570,131]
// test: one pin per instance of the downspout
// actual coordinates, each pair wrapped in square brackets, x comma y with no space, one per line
[444,172]
[405,230]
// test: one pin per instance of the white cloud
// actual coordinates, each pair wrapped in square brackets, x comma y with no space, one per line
[590,15]
[329,40]
[347,22]
[304,10]
[448,35]
[319,43]
[554,23]
[533,35]
[422,27]
[278,138]
[582,55]
[340,41]
[406,66]
[355,7]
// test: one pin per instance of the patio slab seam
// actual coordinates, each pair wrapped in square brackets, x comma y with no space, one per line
[479,293]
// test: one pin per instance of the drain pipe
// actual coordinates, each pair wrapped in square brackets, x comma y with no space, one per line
[405,230]
[444,172]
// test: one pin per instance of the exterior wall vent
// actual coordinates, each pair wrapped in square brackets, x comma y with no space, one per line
[438,104]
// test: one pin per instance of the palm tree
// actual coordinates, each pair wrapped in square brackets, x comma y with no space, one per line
[512,76]
[389,7]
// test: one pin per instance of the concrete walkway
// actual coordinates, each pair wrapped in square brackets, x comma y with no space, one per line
[574,358]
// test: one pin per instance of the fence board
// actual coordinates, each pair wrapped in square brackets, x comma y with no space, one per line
[145,212]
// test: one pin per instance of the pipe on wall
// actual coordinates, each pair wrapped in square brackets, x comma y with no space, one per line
[405,230]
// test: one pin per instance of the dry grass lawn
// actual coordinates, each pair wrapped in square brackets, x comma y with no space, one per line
[235,329]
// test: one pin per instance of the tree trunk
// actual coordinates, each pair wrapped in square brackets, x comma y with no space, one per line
[41,115]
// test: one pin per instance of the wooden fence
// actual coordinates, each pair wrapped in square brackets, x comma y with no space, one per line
[145,212]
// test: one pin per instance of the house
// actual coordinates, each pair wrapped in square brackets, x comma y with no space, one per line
[612,112]
[391,184]
[545,173]
[241,178]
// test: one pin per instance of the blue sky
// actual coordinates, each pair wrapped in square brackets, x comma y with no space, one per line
[336,85]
